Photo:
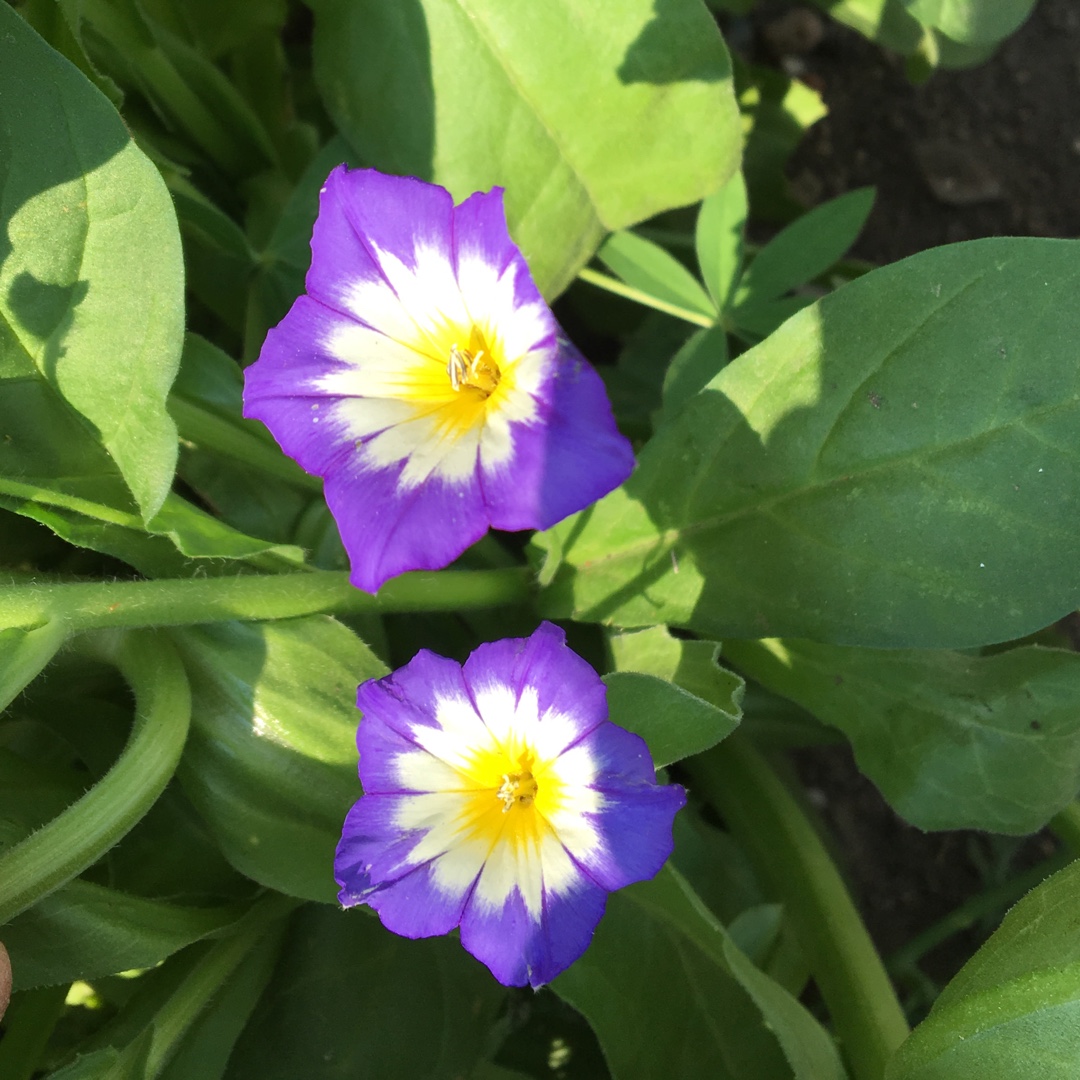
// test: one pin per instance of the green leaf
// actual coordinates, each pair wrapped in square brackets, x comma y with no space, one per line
[718,239]
[84,931]
[953,741]
[884,21]
[23,655]
[91,286]
[470,94]
[694,366]
[672,693]
[271,761]
[669,993]
[650,268]
[972,22]
[1013,1012]
[805,248]
[675,724]
[876,473]
[382,1005]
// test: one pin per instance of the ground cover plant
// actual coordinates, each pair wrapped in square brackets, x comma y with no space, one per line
[399,384]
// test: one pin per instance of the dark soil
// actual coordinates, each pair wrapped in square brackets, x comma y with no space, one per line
[990,151]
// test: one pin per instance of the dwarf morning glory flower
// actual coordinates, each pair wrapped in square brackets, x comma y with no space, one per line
[426,380]
[499,798]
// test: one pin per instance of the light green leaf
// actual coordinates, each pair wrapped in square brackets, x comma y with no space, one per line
[91,286]
[271,761]
[972,22]
[1013,1012]
[718,239]
[654,270]
[383,1006]
[877,472]
[24,653]
[473,93]
[805,248]
[884,21]
[953,741]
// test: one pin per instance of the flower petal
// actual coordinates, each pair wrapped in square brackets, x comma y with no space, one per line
[520,950]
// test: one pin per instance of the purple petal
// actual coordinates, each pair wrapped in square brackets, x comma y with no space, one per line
[364,214]
[387,531]
[571,457]
[408,696]
[519,950]
[563,682]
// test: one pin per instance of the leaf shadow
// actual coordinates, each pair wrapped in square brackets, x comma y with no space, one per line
[651,58]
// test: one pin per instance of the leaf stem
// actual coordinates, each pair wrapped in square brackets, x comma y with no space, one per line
[613,285]
[186,601]
[79,836]
[790,857]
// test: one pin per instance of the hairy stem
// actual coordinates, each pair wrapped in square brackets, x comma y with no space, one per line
[186,601]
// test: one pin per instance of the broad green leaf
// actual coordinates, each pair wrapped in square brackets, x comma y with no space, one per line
[668,993]
[694,366]
[271,762]
[805,248]
[213,27]
[350,999]
[91,287]
[954,741]
[474,93]
[893,467]
[84,931]
[972,22]
[672,693]
[655,271]
[718,239]
[675,724]
[1013,1011]
[33,792]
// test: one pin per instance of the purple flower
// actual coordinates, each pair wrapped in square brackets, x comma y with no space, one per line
[499,798]
[425,379]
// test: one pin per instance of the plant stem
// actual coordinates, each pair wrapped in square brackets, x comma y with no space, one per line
[613,285]
[81,834]
[185,601]
[790,857]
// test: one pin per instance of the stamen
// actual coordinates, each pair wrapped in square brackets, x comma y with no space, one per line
[516,789]
[478,372]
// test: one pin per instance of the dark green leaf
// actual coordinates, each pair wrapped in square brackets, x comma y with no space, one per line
[470,94]
[91,287]
[953,741]
[805,248]
[349,999]
[1013,1012]
[84,931]
[878,472]
[271,762]
[694,366]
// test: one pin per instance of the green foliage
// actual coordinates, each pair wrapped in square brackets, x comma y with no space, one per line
[954,741]
[1013,1012]
[659,76]
[839,483]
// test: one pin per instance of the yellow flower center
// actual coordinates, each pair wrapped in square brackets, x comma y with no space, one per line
[478,372]
[517,789]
